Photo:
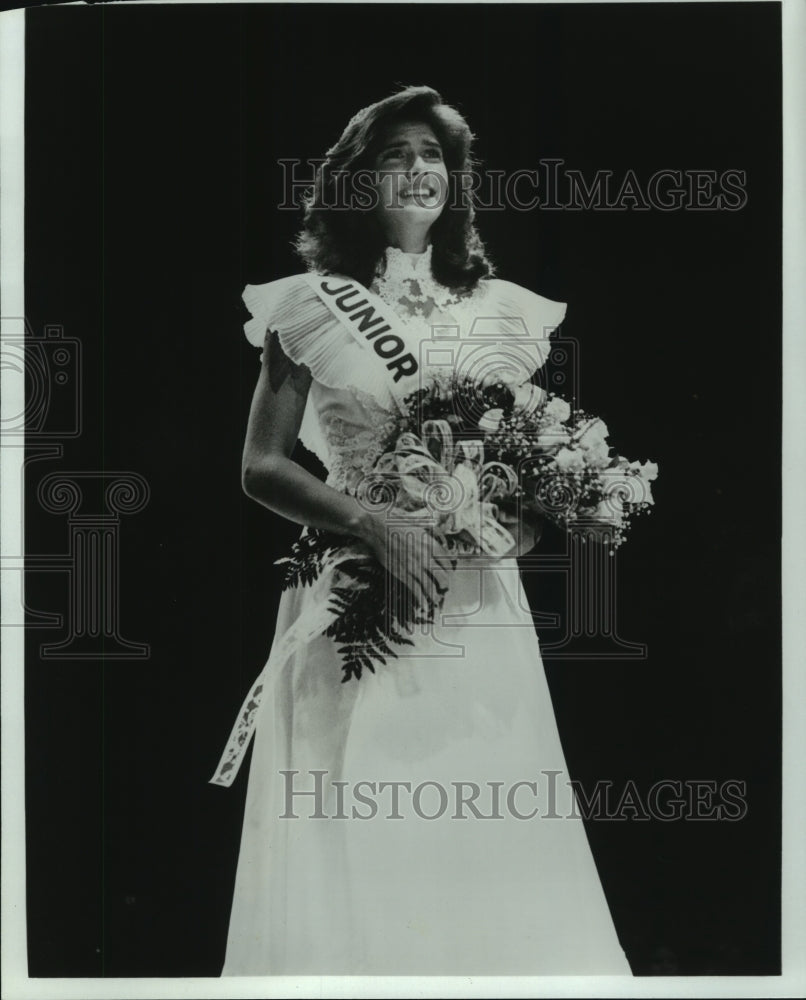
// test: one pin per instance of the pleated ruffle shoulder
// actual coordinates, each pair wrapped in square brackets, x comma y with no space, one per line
[499,314]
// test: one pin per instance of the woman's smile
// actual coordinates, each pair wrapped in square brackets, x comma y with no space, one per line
[419,192]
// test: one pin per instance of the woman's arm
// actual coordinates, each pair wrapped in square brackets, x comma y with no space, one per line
[268,474]
[270,477]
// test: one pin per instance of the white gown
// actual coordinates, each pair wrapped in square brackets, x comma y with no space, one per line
[468,703]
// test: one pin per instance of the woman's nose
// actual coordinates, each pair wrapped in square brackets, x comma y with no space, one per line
[418,165]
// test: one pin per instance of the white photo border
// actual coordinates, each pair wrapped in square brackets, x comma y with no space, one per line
[16,984]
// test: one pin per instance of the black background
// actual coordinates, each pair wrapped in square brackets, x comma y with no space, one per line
[152,135]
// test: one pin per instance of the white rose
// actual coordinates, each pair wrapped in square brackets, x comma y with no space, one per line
[593,440]
[598,454]
[648,471]
[557,409]
[625,484]
[528,397]
[570,460]
[610,511]
[641,490]
[553,438]
[593,433]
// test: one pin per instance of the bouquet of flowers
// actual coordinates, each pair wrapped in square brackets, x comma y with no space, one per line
[461,453]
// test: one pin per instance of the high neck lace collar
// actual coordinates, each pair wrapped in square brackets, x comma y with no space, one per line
[406,283]
[408,263]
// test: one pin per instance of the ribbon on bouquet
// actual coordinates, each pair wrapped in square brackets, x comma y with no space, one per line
[308,626]
[453,482]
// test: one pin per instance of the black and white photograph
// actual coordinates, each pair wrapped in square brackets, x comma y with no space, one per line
[400,433]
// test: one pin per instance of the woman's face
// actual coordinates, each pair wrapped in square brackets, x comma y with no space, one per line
[412,183]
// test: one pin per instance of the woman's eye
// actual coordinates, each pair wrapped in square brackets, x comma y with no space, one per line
[400,153]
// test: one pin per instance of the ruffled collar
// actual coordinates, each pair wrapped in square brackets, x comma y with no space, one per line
[405,282]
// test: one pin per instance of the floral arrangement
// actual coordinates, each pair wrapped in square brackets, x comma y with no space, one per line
[461,453]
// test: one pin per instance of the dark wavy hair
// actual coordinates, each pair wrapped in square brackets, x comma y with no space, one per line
[351,242]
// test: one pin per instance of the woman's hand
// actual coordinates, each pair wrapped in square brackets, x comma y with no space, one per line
[404,546]
[526,530]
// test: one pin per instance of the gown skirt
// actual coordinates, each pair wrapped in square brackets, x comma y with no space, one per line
[479,868]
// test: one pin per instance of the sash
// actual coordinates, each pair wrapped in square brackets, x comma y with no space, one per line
[371,323]
[388,349]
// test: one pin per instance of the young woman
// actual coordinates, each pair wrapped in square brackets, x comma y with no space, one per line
[417,821]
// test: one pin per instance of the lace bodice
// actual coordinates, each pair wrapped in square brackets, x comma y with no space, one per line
[498,327]
[354,428]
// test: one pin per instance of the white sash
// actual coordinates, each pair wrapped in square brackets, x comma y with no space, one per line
[375,327]
[379,331]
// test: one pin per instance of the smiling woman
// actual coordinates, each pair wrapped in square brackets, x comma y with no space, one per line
[412,184]
[330,889]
